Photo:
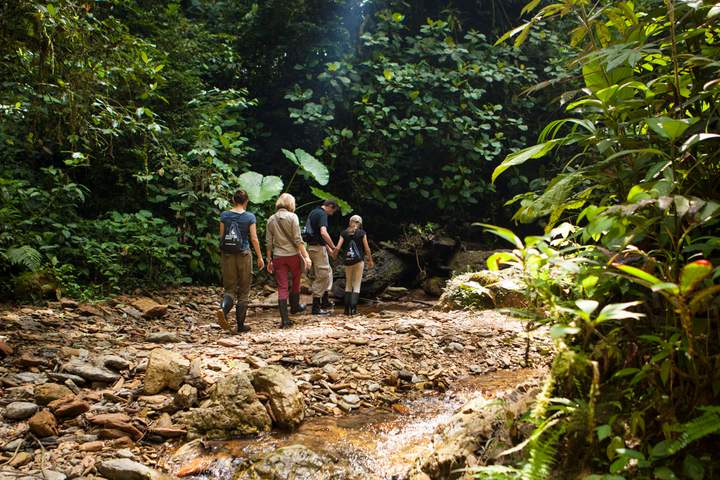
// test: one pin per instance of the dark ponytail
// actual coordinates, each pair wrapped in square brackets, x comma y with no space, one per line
[240,197]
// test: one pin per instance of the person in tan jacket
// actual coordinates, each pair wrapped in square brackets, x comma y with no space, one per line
[285,252]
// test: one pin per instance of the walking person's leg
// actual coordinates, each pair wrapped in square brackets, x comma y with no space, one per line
[244,269]
[282,267]
[357,274]
[229,278]
[348,287]
[296,271]
[321,269]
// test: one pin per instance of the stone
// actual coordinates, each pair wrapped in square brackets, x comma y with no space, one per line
[20,459]
[20,410]
[434,286]
[126,469]
[48,392]
[165,369]
[186,397]
[351,399]
[485,289]
[90,372]
[52,475]
[149,308]
[89,310]
[13,445]
[113,362]
[116,425]
[390,269]
[43,424]
[284,398]
[324,357]
[465,261]
[95,446]
[162,337]
[294,461]
[68,407]
[233,410]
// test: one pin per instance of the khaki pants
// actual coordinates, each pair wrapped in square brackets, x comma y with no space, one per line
[321,269]
[237,275]
[353,277]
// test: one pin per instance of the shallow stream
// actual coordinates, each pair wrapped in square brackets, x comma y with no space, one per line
[372,444]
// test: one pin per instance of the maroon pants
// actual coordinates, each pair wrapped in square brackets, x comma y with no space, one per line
[283,266]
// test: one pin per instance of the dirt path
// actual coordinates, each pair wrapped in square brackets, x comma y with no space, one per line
[343,365]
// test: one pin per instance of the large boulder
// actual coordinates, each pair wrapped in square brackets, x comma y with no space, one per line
[485,289]
[475,435]
[465,261]
[390,269]
[297,462]
[233,411]
[165,369]
[287,406]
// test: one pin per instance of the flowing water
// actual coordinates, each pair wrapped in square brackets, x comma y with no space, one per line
[372,444]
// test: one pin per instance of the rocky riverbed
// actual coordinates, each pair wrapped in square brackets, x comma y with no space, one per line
[110,389]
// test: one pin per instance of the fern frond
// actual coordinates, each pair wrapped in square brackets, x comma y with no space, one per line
[494,472]
[542,401]
[543,452]
[706,424]
[25,256]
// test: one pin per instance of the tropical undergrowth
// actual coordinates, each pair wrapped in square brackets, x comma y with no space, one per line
[632,219]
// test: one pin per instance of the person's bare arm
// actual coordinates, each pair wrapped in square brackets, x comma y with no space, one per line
[328,239]
[256,246]
[339,245]
[368,252]
[304,255]
[222,230]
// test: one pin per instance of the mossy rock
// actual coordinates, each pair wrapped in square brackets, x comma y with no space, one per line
[484,289]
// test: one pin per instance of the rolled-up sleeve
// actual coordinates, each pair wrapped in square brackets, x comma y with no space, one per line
[297,237]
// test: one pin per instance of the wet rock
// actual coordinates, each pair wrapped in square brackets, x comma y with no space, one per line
[390,269]
[233,410]
[126,469]
[20,410]
[324,357]
[295,461]
[43,424]
[149,308]
[186,397]
[68,407]
[48,392]
[286,402]
[162,337]
[165,369]
[90,372]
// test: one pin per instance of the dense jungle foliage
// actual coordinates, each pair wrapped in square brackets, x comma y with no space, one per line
[126,124]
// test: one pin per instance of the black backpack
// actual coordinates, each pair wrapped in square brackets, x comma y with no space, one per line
[353,255]
[308,233]
[233,240]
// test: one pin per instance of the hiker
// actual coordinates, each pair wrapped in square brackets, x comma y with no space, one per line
[285,252]
[320,245]
[354,259]
[237,232]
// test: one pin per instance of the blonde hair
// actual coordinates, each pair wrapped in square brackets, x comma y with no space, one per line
[285,201]
[355,222]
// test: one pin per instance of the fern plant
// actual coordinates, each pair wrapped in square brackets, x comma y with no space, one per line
[24,256]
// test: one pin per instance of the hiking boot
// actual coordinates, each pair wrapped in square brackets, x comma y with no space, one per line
[316,310]
[240,313]
[347,303]
[295,305]
[225,306]
[284,319]
[354,299]
[325,302]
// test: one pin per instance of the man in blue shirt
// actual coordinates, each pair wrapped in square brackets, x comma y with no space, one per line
[320,245]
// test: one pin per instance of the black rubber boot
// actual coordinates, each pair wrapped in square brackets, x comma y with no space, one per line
[347,303]
[354,299]
[326,303]
[316,310]
[240,313]
[284,318]
[222,314]
[295,305]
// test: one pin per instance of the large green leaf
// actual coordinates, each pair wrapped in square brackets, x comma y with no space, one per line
[344,206]
[693,273]
[670,128]
[309,164]
[503,233]
[522,156]
[260,189]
